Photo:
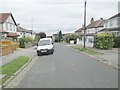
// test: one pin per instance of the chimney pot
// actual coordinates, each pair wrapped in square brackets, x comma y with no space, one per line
[92,20]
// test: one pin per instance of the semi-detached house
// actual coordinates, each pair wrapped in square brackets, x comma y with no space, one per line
[93,28]
[112,25]
[8,26]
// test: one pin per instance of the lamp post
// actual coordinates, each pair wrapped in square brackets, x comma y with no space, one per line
[85,22]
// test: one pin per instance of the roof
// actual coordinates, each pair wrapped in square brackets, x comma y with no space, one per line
[20,29]
[117,15]
[12,34]
[95,24]
[79,30]
[4,16]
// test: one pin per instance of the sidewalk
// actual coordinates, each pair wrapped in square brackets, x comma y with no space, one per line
[109,56]
[30,52]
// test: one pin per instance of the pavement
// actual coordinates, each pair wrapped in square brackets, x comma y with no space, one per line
[30,52]
[67,68]
[108,56]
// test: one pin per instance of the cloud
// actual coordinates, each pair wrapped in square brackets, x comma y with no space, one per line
[51,15]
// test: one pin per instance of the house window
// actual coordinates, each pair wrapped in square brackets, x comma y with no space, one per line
[6,26]
[10,27]
[13,28]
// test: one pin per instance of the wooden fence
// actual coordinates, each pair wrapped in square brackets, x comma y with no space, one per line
[7,48]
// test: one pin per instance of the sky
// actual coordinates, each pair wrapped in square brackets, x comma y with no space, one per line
[51,16]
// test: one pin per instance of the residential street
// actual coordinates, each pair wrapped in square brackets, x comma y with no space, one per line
[69,69]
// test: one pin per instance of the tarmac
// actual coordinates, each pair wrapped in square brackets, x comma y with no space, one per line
[110,57]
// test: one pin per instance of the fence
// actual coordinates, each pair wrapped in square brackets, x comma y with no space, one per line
[7,47]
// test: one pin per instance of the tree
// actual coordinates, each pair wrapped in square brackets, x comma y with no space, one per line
[59,36]
[69,37]
[42,35]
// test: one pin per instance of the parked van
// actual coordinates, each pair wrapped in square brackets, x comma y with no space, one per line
[45,46]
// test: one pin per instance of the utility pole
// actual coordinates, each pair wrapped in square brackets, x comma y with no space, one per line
[32,25]
[85,22]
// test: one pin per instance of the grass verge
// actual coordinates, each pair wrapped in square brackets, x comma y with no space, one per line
[10,68]
[87,50]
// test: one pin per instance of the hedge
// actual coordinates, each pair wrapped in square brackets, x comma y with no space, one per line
[69,37]
[103,41]
[117,42]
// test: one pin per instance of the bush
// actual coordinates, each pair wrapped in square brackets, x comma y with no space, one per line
[28,39]
[117,42]
[22,42]
[70,37]
[103,41]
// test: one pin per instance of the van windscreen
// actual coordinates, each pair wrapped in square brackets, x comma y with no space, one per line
[44,42]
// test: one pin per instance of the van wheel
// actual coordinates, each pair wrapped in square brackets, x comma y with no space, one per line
[52,52]
[38,54]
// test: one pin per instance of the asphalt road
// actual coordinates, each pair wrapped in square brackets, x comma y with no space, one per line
[67,68]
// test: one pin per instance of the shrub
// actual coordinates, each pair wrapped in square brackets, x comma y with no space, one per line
[103,41]
[117,42]
[28,39]
[69,37]
[22,42]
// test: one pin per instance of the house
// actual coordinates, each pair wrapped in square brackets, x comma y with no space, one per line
[112,25]
[8,26]
[79,31]
[22,32]
[93,28]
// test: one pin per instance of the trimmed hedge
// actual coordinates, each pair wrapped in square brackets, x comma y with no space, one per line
[103,41]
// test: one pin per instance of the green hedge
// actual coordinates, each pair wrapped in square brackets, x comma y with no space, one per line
[22,42]
[103,41]
[117,42]
[69,37]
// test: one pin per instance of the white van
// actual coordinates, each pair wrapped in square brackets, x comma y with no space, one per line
[45,46]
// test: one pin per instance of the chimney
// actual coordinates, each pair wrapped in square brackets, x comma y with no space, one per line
[18,24]
[92,20]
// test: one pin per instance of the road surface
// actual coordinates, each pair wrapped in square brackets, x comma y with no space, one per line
[67,68]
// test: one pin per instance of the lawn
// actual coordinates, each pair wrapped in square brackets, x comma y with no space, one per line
[87,50]
[10,68]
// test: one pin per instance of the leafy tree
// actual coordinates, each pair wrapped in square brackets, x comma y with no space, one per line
[58,37]
[69,37]
[42,35]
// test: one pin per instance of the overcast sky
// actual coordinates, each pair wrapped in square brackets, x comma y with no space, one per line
[50,16]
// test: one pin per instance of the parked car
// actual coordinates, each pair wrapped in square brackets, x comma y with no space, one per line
[45,46]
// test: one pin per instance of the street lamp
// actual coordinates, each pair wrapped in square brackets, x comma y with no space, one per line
[85,22]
